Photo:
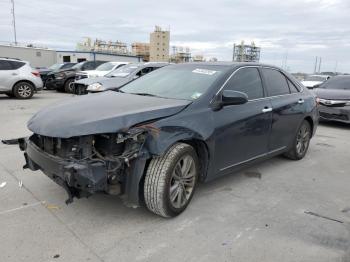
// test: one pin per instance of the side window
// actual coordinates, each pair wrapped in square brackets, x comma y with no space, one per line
[15,65]
[144,71]
[292,87]
[88,66]
[246,80]
[276,83]
[5,65]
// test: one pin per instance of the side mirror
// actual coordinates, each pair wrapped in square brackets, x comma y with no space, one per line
[230,97]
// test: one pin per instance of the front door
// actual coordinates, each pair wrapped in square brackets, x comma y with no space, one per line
[242,130]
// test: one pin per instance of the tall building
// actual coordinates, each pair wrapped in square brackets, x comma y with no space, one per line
[246,53]
[141,49]
[159,45]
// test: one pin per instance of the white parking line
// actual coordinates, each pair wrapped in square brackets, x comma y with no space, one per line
[21,207]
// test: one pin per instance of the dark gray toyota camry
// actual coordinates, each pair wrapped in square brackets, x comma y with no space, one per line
[155,139]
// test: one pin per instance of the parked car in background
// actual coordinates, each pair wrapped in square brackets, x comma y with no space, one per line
[154,139]
[54,68]
[101,70]
[61,80]
[116,78]
[313,81]
[18,79]
[334,99]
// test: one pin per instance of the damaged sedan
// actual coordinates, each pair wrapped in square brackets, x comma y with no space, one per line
[155,139]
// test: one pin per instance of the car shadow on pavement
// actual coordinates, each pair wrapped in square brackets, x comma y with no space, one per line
[335,124]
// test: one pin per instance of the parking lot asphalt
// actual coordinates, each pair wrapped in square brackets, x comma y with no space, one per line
[278,210]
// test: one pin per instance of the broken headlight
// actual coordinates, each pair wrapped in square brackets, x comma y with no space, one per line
[95,87]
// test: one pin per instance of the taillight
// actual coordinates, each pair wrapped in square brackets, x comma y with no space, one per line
[36,73]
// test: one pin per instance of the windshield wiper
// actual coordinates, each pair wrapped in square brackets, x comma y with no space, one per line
[143,94]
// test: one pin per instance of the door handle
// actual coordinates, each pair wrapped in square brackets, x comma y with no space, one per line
[301,101]
[267,109]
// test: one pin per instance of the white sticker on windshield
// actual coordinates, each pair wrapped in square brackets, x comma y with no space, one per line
[204,71]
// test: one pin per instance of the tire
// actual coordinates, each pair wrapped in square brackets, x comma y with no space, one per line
[301,142]
[23,90]
[67,85]
[171,180]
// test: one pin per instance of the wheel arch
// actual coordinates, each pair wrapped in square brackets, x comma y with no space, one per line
[25,81]
[311,122]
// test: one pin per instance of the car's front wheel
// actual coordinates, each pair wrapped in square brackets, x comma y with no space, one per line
[23,90]
[68,85]
[171,180]
[301,142]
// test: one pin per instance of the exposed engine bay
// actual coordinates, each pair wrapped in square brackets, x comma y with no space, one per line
[86,164]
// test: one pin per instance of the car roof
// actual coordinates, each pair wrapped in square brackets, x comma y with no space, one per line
[12,59]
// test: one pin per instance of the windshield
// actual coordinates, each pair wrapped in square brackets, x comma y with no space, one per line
[105,67]
[123,71]
[340,82]
[78,66]
[316,78]
[55,67]
[178,82]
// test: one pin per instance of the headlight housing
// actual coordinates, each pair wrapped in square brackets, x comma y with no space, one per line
[60,75]
[95,87]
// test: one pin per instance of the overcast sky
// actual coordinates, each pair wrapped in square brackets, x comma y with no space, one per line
[297,29]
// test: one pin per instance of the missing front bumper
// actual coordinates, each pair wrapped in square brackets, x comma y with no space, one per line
[78,178]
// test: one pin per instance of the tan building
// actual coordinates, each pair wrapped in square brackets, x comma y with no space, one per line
[159,45]
[141,49]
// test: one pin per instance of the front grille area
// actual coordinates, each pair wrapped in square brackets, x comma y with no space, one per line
[75,147]
[79,77]
[80,89]
[334,116]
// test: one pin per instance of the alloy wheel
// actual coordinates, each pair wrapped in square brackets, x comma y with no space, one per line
[182,181]
[303,139]
[25,91]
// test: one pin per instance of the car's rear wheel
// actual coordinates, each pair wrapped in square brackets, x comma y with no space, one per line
[23,90]
[301,142]
[171,180]
[68,86]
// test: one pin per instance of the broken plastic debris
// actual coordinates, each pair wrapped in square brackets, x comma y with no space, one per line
[52,207]
[3,184]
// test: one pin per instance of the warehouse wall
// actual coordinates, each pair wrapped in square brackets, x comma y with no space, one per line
[78,56]
[36,56]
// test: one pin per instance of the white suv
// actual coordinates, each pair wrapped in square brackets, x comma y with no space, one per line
[18,79]
[101,70]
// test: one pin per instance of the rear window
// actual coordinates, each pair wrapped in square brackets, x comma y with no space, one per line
[5,65]
[16,64]
[337,82]
[276,82]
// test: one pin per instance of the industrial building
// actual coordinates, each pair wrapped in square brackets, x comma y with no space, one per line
[246,53]
[180,54]
[102,46]
[141,49]
[44,57]
[159,45]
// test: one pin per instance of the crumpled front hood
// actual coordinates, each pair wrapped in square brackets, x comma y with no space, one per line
[105,112]
[332,94]
[107,82]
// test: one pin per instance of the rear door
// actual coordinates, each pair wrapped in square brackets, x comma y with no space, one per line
[7,75]
[242,130]
[287,106]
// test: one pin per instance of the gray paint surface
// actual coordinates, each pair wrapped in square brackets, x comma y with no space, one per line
[104,112]
[255,215]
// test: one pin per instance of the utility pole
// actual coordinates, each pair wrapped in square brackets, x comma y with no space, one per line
[315,65]
[14,20]
[319,65]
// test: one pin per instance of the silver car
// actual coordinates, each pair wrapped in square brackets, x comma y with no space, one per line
[18,79]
